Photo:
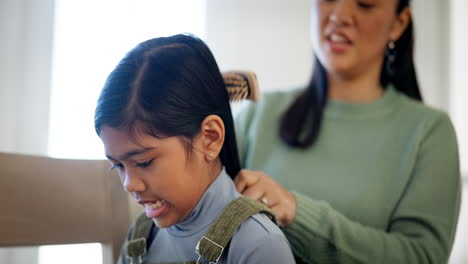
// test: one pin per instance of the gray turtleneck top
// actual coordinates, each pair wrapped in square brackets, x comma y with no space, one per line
[258,239]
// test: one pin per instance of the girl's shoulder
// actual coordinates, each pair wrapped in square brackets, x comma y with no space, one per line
[259,240]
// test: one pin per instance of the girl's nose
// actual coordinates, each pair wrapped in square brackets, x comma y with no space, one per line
[132,182]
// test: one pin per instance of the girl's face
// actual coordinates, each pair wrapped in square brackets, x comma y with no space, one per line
[158,173]
[349,37]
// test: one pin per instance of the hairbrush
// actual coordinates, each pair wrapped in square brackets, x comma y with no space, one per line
[241,85]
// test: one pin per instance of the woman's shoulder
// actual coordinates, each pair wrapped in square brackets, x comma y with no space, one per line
[425,119]
[293,91]
[275,97]
[270,103]
[259,239]
[417,111]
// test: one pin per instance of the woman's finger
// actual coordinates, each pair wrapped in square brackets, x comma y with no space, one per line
[256,191]
[240,183]
[285,210]
[269,200]
[244,179]
[278,213]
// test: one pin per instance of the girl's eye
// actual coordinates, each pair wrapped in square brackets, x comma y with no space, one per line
[116,166]
[145,164]
[365,5]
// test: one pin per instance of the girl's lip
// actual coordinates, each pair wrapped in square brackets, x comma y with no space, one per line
[157,212]
[145,201]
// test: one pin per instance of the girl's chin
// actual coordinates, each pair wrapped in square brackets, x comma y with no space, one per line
[169,219]
[163,224]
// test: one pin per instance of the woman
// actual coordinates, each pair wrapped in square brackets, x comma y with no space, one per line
[165,121]
[355,167]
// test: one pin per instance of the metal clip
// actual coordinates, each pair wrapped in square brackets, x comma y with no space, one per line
[131,260]
[197,250]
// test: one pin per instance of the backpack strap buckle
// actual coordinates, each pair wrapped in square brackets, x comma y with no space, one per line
[213,251]
[136,249]
[131,260]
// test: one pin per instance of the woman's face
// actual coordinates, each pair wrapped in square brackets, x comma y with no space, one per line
[158,173]
[349,37]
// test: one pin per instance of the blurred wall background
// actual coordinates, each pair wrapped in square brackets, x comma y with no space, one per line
[25,74]
[270,37]
[25,80]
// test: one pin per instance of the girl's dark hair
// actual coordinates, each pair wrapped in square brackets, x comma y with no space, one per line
[169,85]
[301,122]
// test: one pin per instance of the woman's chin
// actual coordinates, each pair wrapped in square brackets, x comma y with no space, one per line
[339,68]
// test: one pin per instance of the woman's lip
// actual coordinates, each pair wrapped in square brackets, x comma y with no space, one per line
[330,32]
[337,47]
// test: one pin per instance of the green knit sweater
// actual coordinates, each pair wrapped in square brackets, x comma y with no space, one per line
[381,184]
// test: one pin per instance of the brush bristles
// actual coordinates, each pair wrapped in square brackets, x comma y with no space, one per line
[241,85]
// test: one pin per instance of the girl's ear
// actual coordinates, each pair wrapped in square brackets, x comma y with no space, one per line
[211,137]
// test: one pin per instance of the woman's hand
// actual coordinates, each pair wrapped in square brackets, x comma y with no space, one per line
[259,186]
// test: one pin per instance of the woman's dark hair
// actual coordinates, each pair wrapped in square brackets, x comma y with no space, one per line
[169,85]
[301,122]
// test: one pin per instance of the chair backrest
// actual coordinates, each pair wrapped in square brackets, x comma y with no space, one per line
[47,201]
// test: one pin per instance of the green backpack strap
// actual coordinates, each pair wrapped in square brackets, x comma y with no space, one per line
[212,244]
[136,246]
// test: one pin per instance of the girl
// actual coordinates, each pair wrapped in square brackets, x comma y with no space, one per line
[165,121]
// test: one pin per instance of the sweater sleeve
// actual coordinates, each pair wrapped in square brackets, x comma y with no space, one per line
[421,228]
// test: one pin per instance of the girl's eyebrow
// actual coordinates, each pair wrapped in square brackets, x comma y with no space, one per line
[130,153]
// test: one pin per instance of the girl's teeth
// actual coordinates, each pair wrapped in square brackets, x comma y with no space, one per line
[154,205]
[158,204]
[337,38]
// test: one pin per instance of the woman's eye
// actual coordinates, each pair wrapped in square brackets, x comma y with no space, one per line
[116,166]
[144,164]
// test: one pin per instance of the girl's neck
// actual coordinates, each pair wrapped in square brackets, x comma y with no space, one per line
[214,170]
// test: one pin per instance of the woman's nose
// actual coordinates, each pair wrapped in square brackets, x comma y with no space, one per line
[342,13]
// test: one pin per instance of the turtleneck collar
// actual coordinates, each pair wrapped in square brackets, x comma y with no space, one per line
[218,195]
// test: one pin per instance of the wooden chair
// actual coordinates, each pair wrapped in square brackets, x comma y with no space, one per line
[47,201]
